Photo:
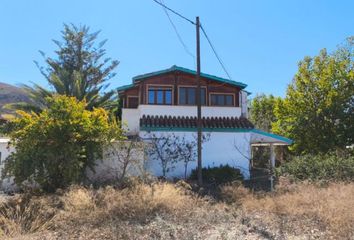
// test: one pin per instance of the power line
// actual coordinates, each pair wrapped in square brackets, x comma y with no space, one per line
[203,30]
[178,14]
[177,33]
[215,53]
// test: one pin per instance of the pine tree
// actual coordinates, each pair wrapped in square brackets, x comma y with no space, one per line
[79,70]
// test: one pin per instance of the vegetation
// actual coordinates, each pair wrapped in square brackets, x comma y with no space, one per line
[54,147]
[218,175]
[163,149]
[80,70]
[262,111]
[325,167]
[318,110]
[298,210]
[167,211]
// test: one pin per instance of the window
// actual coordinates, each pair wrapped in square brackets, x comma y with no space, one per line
[188,96]
[161,96]
[133,102]
[222,100]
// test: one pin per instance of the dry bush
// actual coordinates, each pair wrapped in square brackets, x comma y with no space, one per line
[78,199]
[78,206]
[144,201]
[158,210]
[327,208]
[235,193]
[23,214]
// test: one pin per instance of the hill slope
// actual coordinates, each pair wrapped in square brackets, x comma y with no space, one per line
[10,94]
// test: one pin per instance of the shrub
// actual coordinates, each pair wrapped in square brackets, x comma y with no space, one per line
[218,175]
[234,193]
[307,207]
[56,146]
[24,214]
[320,167]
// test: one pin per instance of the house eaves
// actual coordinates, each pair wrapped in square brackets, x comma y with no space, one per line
[125,87]
[189,71]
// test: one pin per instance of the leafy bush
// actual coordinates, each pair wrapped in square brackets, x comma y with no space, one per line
[56,146]
[320,167]
[218,175]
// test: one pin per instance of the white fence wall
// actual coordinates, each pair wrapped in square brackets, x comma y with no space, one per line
[110,168]
[232,148]
[5,150]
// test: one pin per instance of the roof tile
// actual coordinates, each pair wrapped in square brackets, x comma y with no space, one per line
[191,122]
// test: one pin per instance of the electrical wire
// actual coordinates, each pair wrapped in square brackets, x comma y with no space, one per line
[182,42]
[186,49]
[178,14]
[215,53]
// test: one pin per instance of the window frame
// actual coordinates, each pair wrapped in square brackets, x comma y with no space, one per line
[187,97]
[218,94]
[156,88]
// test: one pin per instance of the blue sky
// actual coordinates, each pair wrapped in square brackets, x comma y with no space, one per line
[260,42]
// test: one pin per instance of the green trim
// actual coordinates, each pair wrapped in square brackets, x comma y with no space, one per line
[186,70]
[125,87]
[192,129]
[248,93]
[283,139]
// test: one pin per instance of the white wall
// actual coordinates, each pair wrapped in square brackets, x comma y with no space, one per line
[6,184]
[220,149]
[5,150]
[131,116]
[190,111]
[110,167]
[131,120]
[244,106]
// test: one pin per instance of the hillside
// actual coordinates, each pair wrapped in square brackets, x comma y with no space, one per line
[10,94]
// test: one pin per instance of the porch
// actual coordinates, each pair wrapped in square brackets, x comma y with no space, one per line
[264,149]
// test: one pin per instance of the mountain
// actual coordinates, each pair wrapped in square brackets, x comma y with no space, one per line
[10,94]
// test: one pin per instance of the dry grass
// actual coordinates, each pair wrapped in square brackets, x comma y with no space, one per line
[172,211]
[23,214]
[144,200]
[327,211]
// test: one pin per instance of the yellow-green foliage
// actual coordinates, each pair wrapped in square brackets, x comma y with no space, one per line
[317,112]
[54,147]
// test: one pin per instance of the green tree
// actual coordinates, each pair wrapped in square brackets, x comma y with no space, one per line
[262,111]
[80,70]
[318,110]
[56,146]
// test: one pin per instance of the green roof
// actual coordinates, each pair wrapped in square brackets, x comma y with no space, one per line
[125,87]
[189,71]
[281,138]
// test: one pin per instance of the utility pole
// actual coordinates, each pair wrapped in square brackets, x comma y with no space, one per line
[199,107]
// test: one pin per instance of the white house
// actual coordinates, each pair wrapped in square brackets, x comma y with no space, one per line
[164,102]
